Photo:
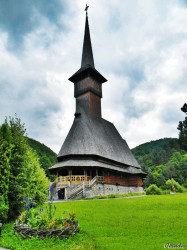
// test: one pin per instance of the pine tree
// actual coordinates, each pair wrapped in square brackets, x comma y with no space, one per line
[20,171]
[182,127]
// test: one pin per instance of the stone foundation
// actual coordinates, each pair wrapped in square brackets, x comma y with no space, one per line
[105,189]
[99,189]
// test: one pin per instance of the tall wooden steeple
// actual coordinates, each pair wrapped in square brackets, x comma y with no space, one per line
[88,82]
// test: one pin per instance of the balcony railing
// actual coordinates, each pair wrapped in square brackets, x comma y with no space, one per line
[73,179]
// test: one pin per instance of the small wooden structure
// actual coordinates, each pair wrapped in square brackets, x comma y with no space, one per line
[93,146]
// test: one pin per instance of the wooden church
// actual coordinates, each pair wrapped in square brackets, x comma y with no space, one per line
[94,158]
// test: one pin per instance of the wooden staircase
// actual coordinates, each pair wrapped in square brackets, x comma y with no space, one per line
[79,190]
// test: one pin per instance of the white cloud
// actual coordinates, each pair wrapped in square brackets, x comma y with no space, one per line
[139,46]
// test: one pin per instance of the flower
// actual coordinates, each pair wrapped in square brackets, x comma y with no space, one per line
[52,188]
[55,207]
[52,224]
[51,197]
[64,212]
[32,200]
[68,225]
[72,213]
[27,207]
[24,198]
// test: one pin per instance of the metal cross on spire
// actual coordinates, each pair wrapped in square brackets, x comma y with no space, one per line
[86,9]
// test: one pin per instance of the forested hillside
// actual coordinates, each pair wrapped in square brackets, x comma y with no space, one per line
[47,157]
[162,160]
[155,152]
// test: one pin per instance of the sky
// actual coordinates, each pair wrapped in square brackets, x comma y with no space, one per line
[139,46]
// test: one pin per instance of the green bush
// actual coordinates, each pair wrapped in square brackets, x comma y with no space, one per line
[185,184]
[165,191]
[174,186]
[153,189]
[3,210]
[112,196]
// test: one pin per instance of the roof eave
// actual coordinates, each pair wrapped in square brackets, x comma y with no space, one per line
[87,71]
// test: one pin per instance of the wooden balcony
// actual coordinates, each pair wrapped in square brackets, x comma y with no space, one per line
[72,179]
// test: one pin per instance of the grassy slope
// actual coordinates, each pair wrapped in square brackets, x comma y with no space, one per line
[139,223]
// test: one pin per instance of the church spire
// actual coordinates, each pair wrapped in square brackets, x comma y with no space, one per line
[87,68]
[87,54]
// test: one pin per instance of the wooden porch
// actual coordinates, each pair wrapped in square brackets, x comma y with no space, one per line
[77,179]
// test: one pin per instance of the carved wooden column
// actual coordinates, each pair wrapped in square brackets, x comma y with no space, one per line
[70,174]
[85,174]
[96,172]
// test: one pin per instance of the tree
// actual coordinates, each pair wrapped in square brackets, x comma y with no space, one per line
[182,127]
[20,171]
[5,153]
[17,176]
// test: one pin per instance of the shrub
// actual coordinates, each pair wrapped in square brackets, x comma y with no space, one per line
[153,189]
[165,191]
[174,186]
[112,196]
[3,210]
[185,184]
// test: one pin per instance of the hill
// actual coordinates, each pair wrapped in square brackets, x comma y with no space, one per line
[162,160]
[147,147]
[46,155]
[155,152]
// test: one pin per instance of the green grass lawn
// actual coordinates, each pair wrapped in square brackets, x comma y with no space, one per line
[135,223]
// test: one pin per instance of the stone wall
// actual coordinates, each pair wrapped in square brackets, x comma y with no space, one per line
[105,189]
[100,189]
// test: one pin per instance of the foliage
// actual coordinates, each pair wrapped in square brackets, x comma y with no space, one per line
[155,153]
[47,157]
[20,172]
[153,189]
[182,127]
[3,210]
[37,183]
[174,186]
[162,160]
[137,223]
[5,154]
[44,218]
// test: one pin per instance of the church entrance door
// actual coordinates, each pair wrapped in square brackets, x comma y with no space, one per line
[61,194]
[93,173]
